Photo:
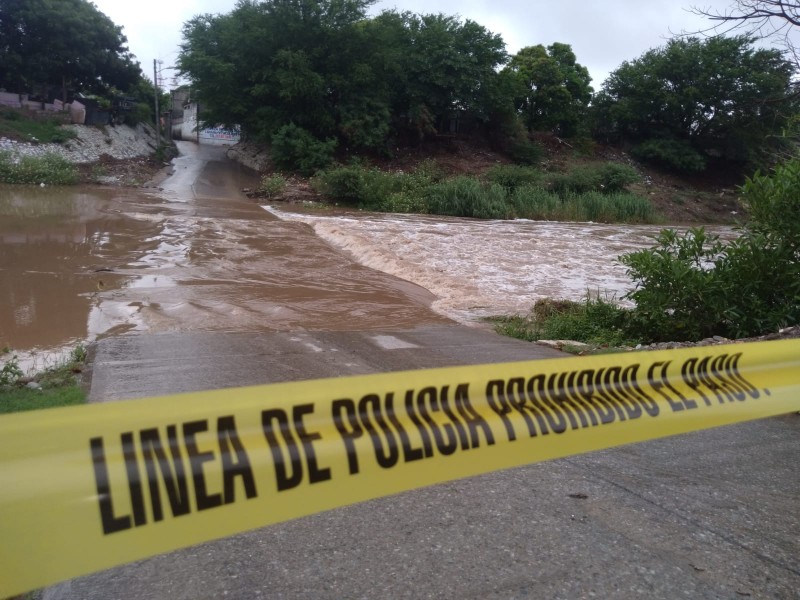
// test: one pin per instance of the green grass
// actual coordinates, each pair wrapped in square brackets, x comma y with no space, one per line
[506,191]
[22,399]
[21,125]
[272,186]
[50,169]
[58,384]
[536,203]
[597,322]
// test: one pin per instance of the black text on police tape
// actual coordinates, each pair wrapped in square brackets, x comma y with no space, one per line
[170,467]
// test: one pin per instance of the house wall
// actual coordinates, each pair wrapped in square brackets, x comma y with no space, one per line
[185,128]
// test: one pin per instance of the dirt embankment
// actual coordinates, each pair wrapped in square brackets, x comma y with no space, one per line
[117,155]
[710,198]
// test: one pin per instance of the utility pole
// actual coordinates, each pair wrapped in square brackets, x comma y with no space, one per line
[158,114]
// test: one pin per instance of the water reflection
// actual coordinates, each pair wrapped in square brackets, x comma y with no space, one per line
[58,249]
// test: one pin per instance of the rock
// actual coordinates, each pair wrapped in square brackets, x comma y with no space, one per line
[559,344]
[251,155]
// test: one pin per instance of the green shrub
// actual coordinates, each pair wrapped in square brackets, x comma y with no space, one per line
[608,178]
[404,202]
[467,197]
[376,187]
[512,177]
[594,321]
[10,371]
[373,189]
[295,149]
[368,188]
[341,183]
[774,202]
[526,152]
[693,286]
[615,177]
[272,185]
[577,181]
[50,168]
[678,295]
[673,154]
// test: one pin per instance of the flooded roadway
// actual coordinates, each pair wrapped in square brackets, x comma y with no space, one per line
[80,264]
[196,255]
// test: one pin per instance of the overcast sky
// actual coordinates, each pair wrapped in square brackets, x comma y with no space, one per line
[603,33]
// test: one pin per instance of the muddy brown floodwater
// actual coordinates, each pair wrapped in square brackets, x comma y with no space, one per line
[76,264]
[79,263]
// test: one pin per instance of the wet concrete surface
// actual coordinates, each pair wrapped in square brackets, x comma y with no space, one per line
[707,515]
[149,365]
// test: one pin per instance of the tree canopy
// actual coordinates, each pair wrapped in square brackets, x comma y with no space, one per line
[325,67]
[553,88]
[55,44]
[697,98]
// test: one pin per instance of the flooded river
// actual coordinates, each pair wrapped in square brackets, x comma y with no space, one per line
[76,264]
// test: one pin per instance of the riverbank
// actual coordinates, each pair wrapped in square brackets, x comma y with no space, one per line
[116,155]
[710,198]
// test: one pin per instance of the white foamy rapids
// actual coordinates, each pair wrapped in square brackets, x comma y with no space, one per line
[481,268]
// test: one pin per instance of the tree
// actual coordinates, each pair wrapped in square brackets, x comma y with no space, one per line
[757,18]
[324,67]
[693,98]
[62,44]
[265,65]
[553,89]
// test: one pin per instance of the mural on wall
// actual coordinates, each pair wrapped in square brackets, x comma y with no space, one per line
[218,135]
[184,127]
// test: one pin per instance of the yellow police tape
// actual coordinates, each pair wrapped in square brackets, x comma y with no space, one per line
[86,488]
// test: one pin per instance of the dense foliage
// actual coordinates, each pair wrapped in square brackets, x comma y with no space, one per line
[591,193]
[344,82]
[697,98]
[48,46]
[693,285]
[395,76]
[553,90]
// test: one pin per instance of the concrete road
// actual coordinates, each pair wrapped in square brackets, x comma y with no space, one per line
[714,514]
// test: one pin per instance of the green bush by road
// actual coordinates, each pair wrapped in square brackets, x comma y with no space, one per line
[691,286]
[584,194]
